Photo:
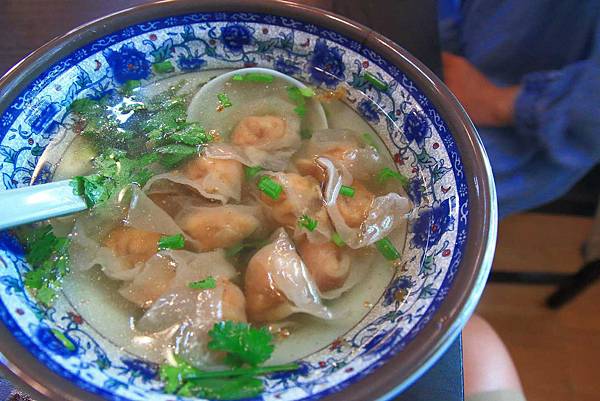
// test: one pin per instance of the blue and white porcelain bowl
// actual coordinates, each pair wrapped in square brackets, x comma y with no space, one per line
[450,244]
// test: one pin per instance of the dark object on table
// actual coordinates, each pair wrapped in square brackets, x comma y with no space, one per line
[9,393]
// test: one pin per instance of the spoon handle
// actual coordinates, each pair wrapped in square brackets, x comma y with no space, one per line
[38,202]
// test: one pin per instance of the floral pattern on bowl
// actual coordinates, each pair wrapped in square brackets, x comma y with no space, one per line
[414,132]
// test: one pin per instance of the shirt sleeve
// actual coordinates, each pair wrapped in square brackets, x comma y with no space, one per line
[449,23]
[560,110]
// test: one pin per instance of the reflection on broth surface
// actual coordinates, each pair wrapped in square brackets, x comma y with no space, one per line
[233,202]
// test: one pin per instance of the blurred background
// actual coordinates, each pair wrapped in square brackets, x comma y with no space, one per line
[546,242]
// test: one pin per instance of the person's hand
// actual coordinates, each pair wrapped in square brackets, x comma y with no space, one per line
[486,103]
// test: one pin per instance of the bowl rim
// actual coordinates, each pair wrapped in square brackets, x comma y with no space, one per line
[402,369]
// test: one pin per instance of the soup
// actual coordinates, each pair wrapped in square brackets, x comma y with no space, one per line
[236,219]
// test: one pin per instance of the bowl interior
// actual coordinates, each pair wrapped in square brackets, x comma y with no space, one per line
[414,132]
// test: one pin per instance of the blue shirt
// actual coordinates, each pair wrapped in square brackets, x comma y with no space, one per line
[552,48]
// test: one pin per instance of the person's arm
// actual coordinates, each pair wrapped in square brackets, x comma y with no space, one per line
[558,109]
[486,103]
[561,110]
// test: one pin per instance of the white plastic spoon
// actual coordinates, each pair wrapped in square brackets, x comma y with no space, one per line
[38,202]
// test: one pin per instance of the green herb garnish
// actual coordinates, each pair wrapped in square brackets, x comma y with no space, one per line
[205,284]
[376,82]
[256,77]
[305,133]
[60,336]
[163,67]
[223,389]
[129,86]
[114,171]
[187,134]
[387,173]
[243,246]
[176,241]
[187,381]
[252,172]
[300,110]
[165,114]
[369,140]
[337,239]
[99,123]
[269,187]
[224,100]
[242,343]
[48,256]
[387,249]
[174,154]
[307,92]
[298,97]
[347,191]
[307,222]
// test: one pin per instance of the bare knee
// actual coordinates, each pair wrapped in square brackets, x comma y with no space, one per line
[487,363]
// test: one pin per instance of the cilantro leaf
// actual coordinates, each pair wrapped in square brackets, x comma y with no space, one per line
[185,380]
[48,256]
[223,389]
[187,134]
[163,67]
[174,154]
[99,123]
[129,86]
[114,171]
[242,343]
[205,284]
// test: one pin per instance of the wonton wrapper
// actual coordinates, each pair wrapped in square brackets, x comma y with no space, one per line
[346,149]
[179,321]
[278,284]
[219,182]
[302,197]
[386,212]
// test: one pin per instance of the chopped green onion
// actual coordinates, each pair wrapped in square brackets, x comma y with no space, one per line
[376,82]
[307,222]
[298,96]
[205,284]
[171,242]
[269,187]
[336,239]
[130,85]
[163,67]
[347,191]
[369,140]
[307,92]
[256,77]
[300,110]
[387,249]
[251,172]
[224,99]
[68,344]
[295,95]
[387,173]
[305,133]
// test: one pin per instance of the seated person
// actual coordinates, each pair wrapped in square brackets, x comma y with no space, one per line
[528,74]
